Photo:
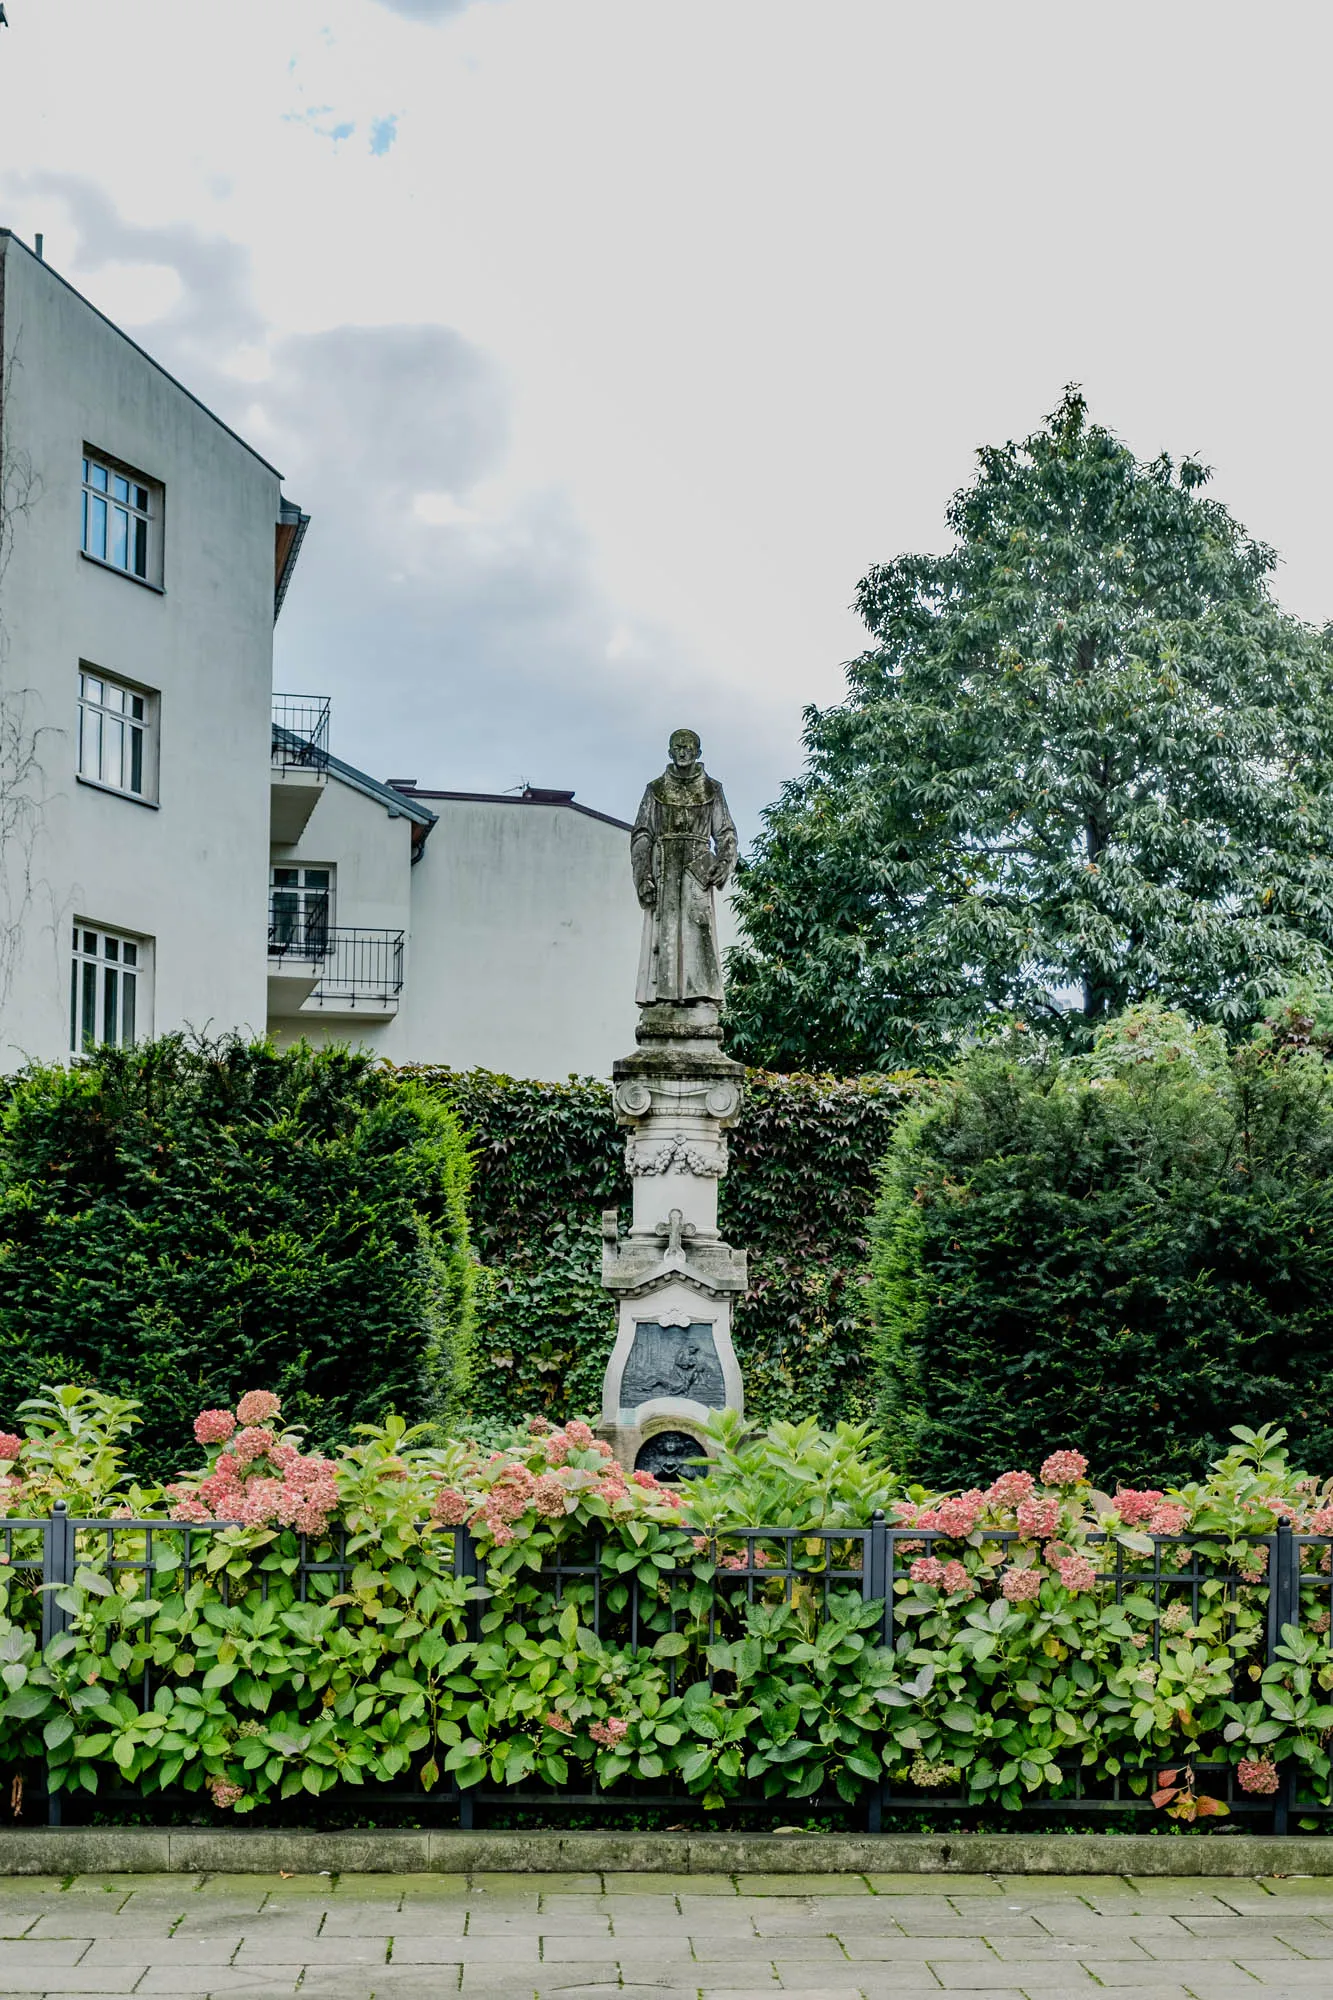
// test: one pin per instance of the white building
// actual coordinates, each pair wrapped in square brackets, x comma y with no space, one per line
[162,812]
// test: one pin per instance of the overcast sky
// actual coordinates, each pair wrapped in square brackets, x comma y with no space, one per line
[609,341]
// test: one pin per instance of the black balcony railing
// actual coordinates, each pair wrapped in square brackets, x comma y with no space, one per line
[361,966]
[298,924]
[301,732]
[355,965]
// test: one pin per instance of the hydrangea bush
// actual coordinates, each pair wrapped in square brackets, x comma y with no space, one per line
[1028,1642]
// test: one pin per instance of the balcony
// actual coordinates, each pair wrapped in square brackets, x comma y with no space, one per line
[300,763]
[317,968]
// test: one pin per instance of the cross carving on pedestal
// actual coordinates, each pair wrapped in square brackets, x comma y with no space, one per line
[674,1232]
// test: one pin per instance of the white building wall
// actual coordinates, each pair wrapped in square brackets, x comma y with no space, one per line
[525,941]
[192,873]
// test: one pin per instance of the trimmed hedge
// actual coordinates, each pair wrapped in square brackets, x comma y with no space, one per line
[181,1220]
[1132,1249]
[549,1158]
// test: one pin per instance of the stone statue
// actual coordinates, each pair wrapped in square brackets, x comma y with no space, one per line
[682,848]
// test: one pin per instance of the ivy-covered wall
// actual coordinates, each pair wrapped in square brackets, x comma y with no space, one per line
[549,1158]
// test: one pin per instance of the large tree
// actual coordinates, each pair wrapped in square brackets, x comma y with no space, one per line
[1087,761]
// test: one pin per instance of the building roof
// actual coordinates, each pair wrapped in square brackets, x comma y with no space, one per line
[7,236]
[399,804]
[531,795]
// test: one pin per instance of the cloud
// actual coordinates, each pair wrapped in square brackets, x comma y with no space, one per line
[459,623]
[426,10]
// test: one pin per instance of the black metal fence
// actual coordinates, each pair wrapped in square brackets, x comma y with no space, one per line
[812,1568]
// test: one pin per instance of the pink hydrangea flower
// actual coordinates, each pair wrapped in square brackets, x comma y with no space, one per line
[1257,1774]
[957,1515]
[1064,1468]
[257,1407]
[1168,1519]
[927,1569]
[1009,1489]
[1076,1573]
[250,1444]
[224,1792]
[1038,1518]
[610,1732]
[549,1496]
[1134,1505]
[579,1435]
[10,1446]
[1321,1521]
[557,1449]
[1018,1585]
[214,1426]
[448,1507]
[647,1480]
[555,1720]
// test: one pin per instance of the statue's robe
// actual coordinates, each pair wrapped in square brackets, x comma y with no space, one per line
[683,837]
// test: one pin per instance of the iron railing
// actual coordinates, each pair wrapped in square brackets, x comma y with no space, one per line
[301,732]
[356,965]
[805,1567]
[361,966]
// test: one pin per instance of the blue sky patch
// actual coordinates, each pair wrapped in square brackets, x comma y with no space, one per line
[383,132]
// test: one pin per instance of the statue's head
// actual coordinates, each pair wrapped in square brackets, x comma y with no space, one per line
[685,748]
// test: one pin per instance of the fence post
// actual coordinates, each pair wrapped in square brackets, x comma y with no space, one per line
[1284,1608]
[57,1572]
[874,1586]
[468,1563]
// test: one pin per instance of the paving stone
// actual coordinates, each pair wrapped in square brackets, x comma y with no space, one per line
[548,1882]
[633,1884]
[1063,1951]
[904,1951]
[916,1885]
[259,1982]
[1042,1888]
[802,1885]
[1029,1975]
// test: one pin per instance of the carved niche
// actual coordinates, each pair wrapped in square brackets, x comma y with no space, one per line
[667,1455]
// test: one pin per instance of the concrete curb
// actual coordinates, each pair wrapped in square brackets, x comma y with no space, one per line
[108,1850]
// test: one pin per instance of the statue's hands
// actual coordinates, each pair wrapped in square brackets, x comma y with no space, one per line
[648,893]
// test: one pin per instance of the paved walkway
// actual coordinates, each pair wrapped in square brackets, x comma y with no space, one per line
[661,1937]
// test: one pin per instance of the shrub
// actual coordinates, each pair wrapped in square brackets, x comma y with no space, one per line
[549,1158]
[1133,1248]
[181,1218]
[1042,1634]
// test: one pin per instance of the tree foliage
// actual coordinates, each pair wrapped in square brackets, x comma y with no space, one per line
[1132,1249]
[1087,761]
[180,1221]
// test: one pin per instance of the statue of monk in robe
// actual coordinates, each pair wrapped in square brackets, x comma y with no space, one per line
[682,848]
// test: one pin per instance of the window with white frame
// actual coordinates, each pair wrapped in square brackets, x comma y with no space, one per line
[117,731]
[120,510]
[109,995]
[300,912]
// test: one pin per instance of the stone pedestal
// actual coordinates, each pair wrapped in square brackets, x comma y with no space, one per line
[674,1363]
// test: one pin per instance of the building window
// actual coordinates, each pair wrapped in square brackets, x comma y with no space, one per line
[107,990]
[118,517]
[116,730]
[300,911]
